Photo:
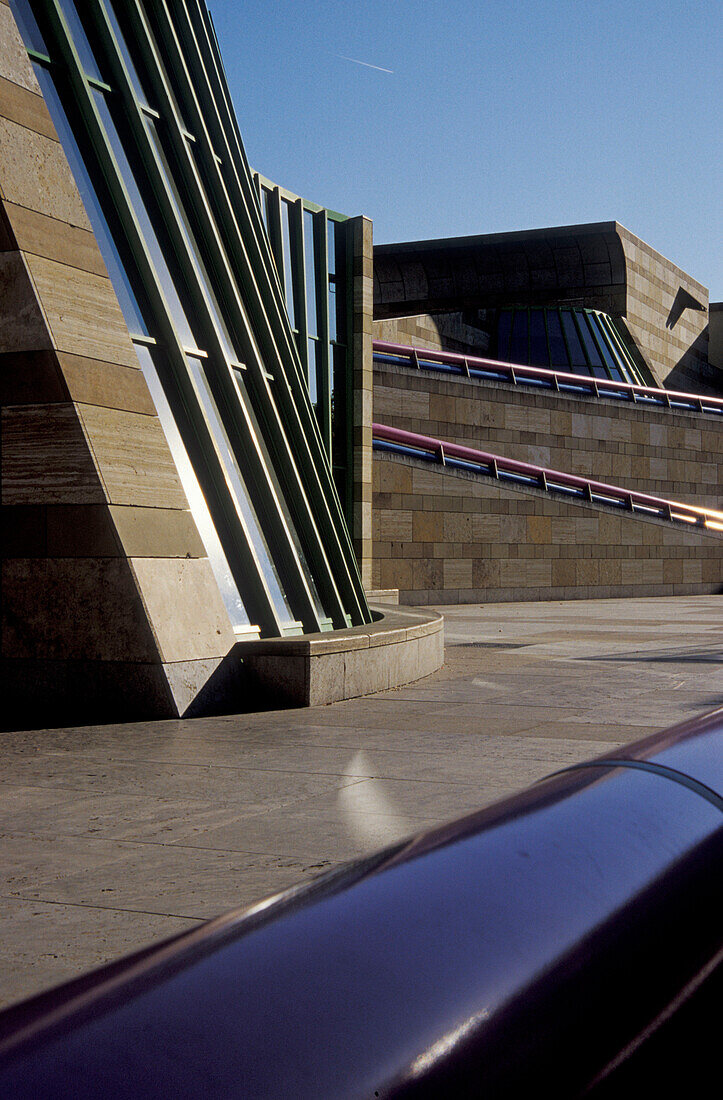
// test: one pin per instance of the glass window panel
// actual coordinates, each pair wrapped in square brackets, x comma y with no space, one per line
[577,355]
[116,268]
[288,261]
[337,280]
[610,351]
[313,371]
[518,342]
[331,244]
[237,487]
[609,358]
[240,383]
[539,356]
[504,329]
[310,260]
[185,226]
[80,40]
[558,351]
[135,79]
[28,27]
[197,502]
[596,366]
[266,208]
[625,361]
[172,91]
[157,254]
[333,330]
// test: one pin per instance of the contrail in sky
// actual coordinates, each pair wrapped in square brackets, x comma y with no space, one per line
[366,63]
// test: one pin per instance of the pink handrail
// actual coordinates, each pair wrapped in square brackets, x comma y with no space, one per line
[517,370]
[670,509]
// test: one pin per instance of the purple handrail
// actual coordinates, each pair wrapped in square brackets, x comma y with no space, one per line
[569,934]
[598,386]
[669,509]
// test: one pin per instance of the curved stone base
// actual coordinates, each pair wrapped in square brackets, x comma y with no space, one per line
[402,645]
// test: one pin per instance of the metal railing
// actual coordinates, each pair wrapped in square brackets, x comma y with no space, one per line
[458,457]
[559,381]
[571,935]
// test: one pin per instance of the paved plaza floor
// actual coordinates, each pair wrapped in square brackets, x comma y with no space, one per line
[114,836]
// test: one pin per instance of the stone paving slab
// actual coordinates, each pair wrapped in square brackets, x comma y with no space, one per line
[114,836]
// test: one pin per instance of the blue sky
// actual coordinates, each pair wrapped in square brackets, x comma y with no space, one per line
[496,115]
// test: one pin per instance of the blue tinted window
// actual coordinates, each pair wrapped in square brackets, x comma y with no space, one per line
[287,237]
[196,500]
[265,208]
[152,243]
[280,496]
[538,339]
[504,329]
[310,274]
[80,40]
[313,347]
[116,269]
[135,79]
[596,366]
[237,487]
[577,355]
[518,343]
[331,230]
[28,27]
[558,351]
[607,355]
[190,239]
[333,328]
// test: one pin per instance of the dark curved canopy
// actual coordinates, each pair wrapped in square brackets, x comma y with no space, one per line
[580,264]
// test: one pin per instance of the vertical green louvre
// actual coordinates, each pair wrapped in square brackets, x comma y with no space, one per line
[313,251]
[138,96]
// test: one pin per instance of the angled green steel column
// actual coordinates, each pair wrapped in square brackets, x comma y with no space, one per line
[192,169]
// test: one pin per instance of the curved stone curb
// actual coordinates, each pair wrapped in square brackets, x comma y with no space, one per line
[402,645]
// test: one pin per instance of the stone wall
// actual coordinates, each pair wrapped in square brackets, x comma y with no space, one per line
[446,536]
[667,314]
[597,266]
[441,332]
[664,452]
[110,608]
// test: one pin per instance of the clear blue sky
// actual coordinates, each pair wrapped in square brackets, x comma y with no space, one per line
[496,115]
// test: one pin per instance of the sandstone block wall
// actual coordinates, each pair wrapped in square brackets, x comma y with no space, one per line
[599,266]
[446,536]
[661,315]
[441,331]
[110,608]
[666,453]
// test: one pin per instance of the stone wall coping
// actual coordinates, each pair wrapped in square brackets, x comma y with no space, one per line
[393,625]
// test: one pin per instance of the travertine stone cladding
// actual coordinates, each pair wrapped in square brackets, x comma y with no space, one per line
[446,536]
[664,452]
[110,608]
[442,331]
[667,313]
[600,266]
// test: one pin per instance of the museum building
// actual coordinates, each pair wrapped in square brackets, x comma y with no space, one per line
[225,415]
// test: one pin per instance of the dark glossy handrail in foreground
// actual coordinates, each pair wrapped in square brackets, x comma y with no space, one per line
[469,458]
[472,366]
[545,945]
